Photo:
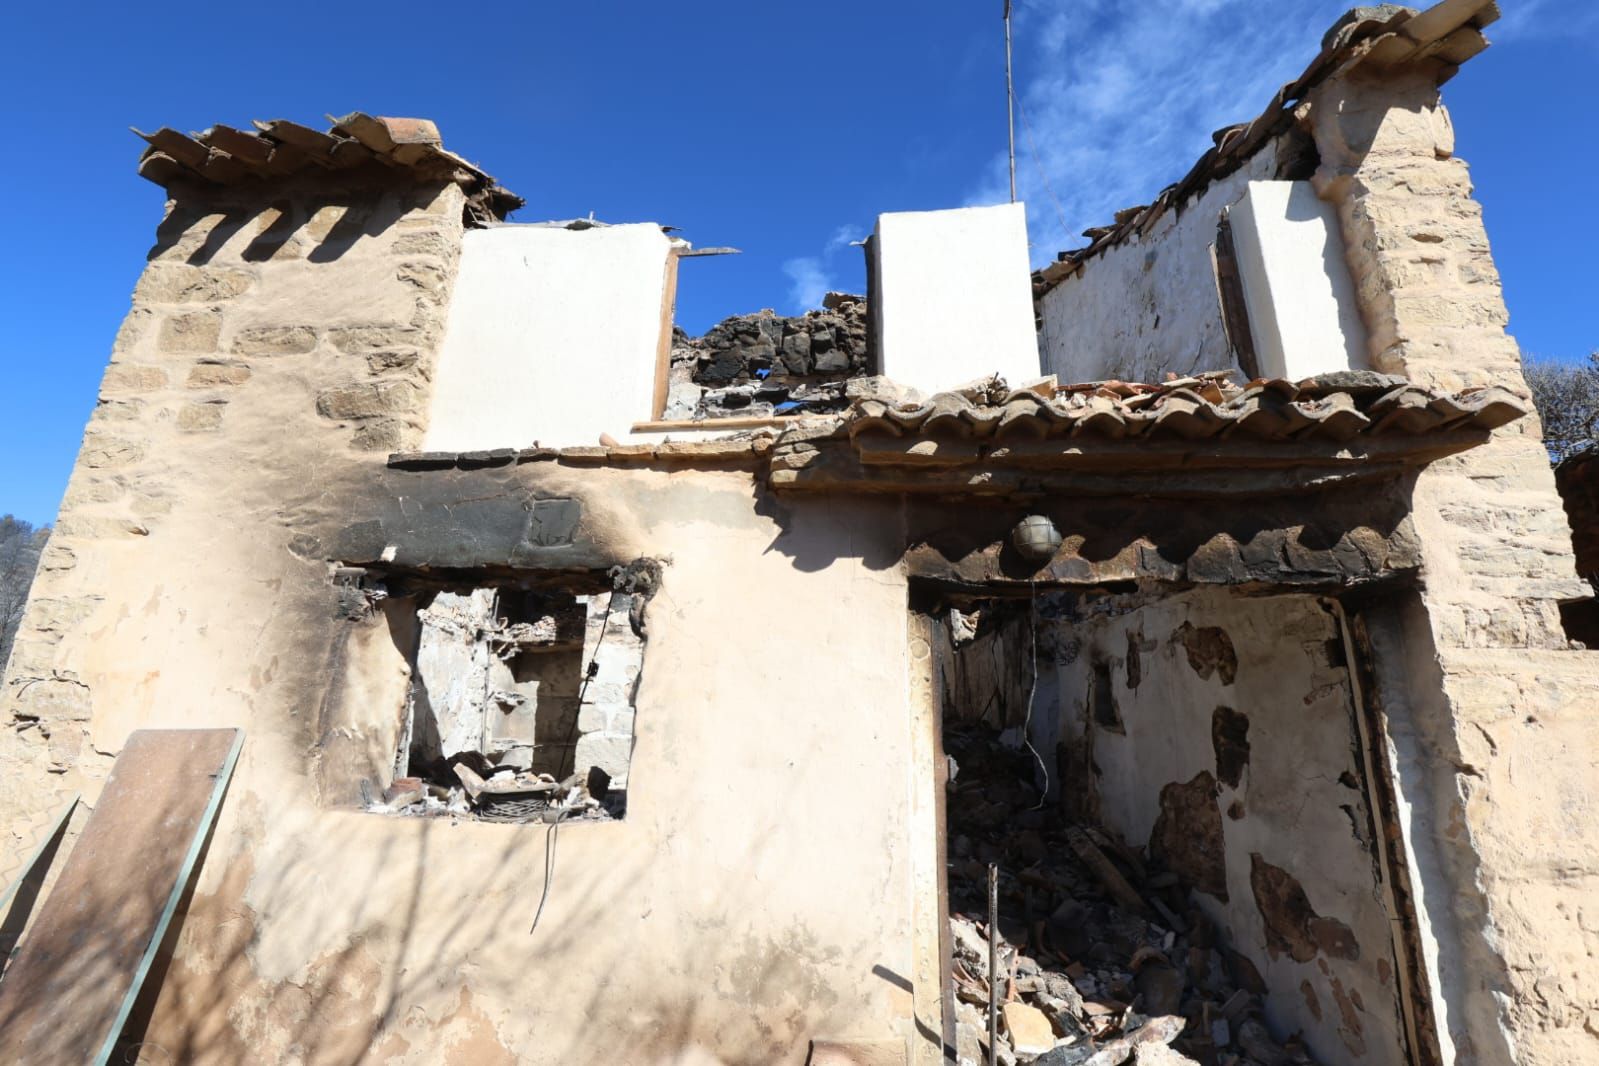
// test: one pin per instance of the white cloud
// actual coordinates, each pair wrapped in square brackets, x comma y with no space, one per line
[1532,20]
[1119,97]
[813,276]
[808,282]
[845,236]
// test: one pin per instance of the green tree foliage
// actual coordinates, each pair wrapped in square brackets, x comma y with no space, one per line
[20,547]
[1567,398]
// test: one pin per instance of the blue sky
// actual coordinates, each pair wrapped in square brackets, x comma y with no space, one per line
[781,128]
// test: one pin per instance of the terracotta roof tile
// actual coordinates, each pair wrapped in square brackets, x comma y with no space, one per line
[223,155]
[1195,409]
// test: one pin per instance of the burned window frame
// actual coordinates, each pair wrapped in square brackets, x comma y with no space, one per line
[508,776]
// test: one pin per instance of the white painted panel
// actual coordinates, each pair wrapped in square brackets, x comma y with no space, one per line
[552,337]
[1301,301]
[954,296]
[1148,307]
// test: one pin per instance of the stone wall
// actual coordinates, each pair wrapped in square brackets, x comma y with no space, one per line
[764,364]
[1496,564]
[605,717]
[194,582]
[268,335]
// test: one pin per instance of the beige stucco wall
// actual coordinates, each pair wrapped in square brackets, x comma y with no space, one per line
[709,926]
[1510,867]
[758,894]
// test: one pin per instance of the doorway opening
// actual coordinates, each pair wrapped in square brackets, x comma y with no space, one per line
[1171,787]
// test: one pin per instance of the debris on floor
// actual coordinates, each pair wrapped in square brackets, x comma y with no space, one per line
[1102,960]
[504,795]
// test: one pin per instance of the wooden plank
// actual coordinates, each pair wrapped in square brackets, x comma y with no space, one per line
[1230,290]
[74,982]
[663,349]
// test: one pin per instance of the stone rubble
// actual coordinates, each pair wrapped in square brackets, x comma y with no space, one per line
[505,795]
[1095,941]
[766,364]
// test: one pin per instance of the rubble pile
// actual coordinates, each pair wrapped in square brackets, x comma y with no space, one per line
[768,364]
[503,794]
[1102,960]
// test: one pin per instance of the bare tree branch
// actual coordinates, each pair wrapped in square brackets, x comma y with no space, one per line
[1567,398]
[20,547]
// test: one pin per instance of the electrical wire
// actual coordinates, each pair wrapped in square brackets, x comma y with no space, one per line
[1032,693]
[588,675]
[555,826]
[1043,177]
[549,869]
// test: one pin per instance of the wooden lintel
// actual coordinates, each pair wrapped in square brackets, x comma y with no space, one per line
[977,481]
[663,350]
[1174,457]
[715,425]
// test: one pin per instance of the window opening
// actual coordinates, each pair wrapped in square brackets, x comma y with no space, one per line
[520,704]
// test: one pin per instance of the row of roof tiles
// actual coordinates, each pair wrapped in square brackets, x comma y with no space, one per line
[1196,409]
[1448,32]
[223,155]
[1210,409]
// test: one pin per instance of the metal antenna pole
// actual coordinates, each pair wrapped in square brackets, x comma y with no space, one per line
[1010,105]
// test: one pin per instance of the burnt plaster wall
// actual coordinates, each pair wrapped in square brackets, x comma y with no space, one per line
[193,584]
[1150,305]
[1490,662]
[985,663]
[707,923]
[1218,732]
[1337,536]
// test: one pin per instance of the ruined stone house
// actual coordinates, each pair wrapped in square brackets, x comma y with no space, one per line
[613,696]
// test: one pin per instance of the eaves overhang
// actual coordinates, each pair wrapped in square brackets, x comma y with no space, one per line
[1194,438]
[1184,440]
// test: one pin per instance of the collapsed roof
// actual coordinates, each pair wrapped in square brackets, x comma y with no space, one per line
[1448,33]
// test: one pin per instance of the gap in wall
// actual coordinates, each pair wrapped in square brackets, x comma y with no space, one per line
[1170,786]
[519,700]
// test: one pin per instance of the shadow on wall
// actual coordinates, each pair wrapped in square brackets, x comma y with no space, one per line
[815,533]
[284,228]
[475,961]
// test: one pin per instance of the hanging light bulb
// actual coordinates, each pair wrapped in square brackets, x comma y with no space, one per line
[1036,538]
